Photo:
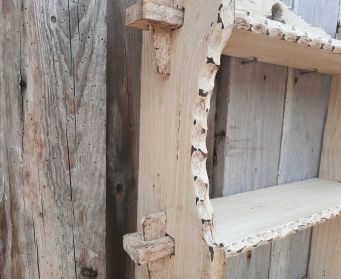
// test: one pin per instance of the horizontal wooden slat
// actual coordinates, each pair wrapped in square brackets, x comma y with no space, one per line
[282,44]
[247,220]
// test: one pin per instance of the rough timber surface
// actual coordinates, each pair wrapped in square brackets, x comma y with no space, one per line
[247,220]
[52,139]
[326,241]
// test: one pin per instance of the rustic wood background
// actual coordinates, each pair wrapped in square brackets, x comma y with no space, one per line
[69,122]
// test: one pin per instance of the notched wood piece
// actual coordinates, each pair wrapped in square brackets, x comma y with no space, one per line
[143,252]
[145,13]
[162,44]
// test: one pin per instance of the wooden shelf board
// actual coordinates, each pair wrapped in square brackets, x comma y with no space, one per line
[247,220]
[281,44]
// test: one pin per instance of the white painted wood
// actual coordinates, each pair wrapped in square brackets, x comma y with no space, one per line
[247,220]
[304,118]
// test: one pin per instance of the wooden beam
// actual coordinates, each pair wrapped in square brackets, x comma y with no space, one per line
[146,13]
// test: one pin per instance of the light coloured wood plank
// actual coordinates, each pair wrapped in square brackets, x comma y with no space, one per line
[290,256]
[247,220]
[325,251]
[326,245]
[330,167]
[322,14]
[255,97]
[304,118]
[248,135]
[303,125]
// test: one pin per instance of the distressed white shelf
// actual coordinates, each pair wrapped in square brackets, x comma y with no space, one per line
[247,220]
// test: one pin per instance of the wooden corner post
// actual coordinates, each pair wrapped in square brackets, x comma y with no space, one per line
[174,112]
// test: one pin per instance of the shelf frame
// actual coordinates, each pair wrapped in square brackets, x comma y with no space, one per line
[175,106]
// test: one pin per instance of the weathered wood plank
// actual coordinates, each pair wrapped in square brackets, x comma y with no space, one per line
[306,105]
[325,248]
[253,264]
[323,14]
[123,87]
[304,117]
[255,97]
[62,146]
[17,248]
[250,105]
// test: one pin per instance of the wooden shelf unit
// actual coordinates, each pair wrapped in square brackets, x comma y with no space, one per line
[179,64]
[247,220]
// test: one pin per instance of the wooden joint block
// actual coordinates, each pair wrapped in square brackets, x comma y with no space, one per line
[152,246]
[147,13]
[144,252]
[161,20]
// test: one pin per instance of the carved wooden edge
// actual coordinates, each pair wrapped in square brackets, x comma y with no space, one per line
[221,31]
[144,252]
[152,244]
[253,241]
[278,30]
[146,13]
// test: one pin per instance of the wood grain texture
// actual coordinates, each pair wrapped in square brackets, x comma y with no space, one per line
[255,97]
[325,250]
[322,14]
[248,220]
[304,117]
[248,131]
[16,239]
[174,113]
[305,113]
[62,143]
[122,138]
[325,247]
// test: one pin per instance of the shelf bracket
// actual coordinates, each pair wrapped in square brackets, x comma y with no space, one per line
[161,19]
[152,246]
